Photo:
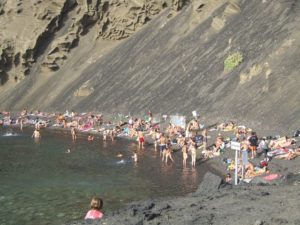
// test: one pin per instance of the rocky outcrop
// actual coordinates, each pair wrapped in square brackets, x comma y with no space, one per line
[114,20]
[2,4]
[35,27]
[178,4]
[57,26]
[6,58]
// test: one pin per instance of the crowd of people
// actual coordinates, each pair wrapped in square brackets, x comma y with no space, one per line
[191,139]
[194,140]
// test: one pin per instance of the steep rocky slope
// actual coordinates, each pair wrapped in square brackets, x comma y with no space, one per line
[166,56]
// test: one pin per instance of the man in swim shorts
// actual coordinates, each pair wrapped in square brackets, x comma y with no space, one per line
[141,139]
[253,141]
[163,143]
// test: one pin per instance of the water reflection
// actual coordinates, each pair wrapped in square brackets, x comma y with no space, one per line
[166,168]
[37,141]
[104,144]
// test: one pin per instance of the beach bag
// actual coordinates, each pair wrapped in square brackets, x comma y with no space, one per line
[297,133]
[263,164]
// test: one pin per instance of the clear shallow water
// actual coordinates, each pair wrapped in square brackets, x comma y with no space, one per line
[42,184]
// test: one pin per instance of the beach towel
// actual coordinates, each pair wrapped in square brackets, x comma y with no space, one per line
[272,176]
[279,151]
[86,127]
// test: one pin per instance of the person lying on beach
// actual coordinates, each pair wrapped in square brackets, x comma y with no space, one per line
[290,155]
[226,126]
[283,142]
[252,171]
[230,126]
[207,154]
[293,154]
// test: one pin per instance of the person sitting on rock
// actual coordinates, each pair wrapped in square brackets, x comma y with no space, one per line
[95,211]
[226,182]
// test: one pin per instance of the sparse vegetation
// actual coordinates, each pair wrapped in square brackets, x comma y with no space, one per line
[232,61]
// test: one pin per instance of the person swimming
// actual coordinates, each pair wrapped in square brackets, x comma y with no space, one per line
[121,161]
[36,134]
[90,137]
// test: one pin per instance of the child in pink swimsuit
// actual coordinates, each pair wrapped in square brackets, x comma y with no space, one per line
[95,212]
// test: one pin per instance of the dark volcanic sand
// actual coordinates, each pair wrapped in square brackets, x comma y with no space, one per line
[271,203]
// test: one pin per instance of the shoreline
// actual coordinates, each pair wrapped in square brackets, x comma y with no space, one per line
[207,199]
[170,210]
[255,204]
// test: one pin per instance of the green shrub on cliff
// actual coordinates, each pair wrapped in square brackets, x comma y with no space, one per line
[232,61]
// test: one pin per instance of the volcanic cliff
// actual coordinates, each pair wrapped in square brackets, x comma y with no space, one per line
[229,60]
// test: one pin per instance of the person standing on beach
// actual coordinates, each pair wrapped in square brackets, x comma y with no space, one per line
[73,133]
[253,142]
